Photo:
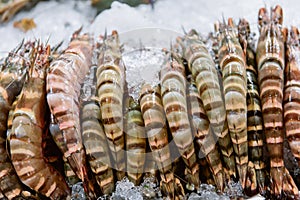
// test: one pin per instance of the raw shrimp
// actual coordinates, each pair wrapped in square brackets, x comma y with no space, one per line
[28,128]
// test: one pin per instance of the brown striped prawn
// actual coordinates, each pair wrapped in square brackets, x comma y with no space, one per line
[135,140]
[28,128]
[173,90]
[110,87]
[157,135]
[292,92]
[202,68]
[12,77]
[64,79]
[94,139]
[254,115]
[233,64]
[204,136]
[271,63]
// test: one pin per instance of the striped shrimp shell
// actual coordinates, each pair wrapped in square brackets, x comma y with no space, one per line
[271,63]
[12,77]
[94,139]
[64,77]
[173,90]
[203,70]
[135,141]
[254,114]
[204,137]
[28,128]
[292,92]
[232,63]
[156,130]
[110,85]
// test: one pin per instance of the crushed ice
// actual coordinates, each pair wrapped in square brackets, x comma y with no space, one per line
[78,192]
[57,20]
[206,192]
[234,189]
[143,55]
[142,66]
[149,189]
[125,190]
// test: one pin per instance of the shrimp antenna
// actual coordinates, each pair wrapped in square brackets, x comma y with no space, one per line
[171,46]
[19,46]
[223,19]
[171,52]
[104,44]
[15,50]
[105,34]
[183,29]
[104,40]
[76,33]
[271,13]
[172,56]
[226,35]
[48,39]
[265,5]
[35,38]
[56,47]
[34,55]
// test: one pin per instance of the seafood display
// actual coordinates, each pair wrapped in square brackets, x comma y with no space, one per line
[215,111]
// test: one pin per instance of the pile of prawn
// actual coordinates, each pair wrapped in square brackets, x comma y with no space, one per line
[68,116]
